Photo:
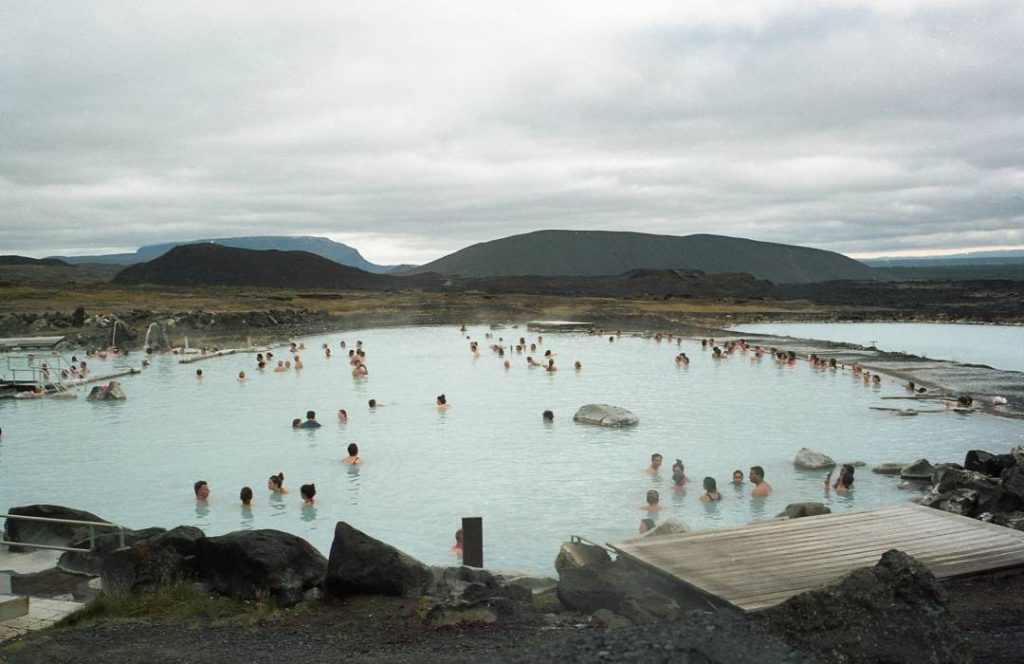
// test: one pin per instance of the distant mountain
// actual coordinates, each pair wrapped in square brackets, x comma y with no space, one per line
[602,253]
[25,260]
[216,265]
[1012,257]
[321,246]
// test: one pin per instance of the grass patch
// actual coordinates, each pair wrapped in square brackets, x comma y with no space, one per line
[179,600]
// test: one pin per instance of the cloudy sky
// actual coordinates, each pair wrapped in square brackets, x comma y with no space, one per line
[411,129]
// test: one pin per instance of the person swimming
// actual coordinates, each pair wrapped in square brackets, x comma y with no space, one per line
[199,373]
[737,478]
[577,365]
[710,491]
[548,416]
[373,404]
[458,546]
[656,460]
[308,493]
[280,366]
[761,488]
[202,491]
[646,526]
[551,366]
[245,495]
[342,415]
[442,402]
[653,501]
[353,458]
[296,422]
[843,483]
[310,422]
[276,484]
[241,376]
[360,370]
[679,478]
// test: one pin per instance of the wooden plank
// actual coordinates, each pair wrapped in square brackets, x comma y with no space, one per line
[762,564]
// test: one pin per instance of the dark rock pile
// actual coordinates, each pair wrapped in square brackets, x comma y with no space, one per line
[989,487]
[892,612]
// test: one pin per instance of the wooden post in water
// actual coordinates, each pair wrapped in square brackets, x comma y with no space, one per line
[473,541]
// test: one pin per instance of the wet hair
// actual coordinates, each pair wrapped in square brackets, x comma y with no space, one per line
[278,479]
[310,414]
[548,416]
[373,403]
[441,400]
[353,449]
[710,484]
[653,497]
[847,477]
[199,372]
[307,491]
[757,470]
[245,495]
[197,486]
[296,422]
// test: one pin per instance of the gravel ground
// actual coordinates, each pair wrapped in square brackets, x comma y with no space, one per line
[989,610]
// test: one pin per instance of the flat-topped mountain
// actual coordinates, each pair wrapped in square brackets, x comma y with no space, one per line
[603,253]
[321,246]
[216,265]
[25,260]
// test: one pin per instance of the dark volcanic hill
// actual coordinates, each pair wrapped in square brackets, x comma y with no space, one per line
[321,246]
[25,260]
[215,265]
[602,253]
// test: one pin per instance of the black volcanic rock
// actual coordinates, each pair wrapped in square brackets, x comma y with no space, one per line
[602,253]
[214,265]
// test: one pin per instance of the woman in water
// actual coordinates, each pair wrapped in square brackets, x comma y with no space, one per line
[844,483]
[679,477]
[308,493]
[710,491]
[737,478]
[342,415]
[353,456]
[245,496]
[276,483]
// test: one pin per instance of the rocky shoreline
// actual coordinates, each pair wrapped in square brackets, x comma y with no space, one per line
[598,609]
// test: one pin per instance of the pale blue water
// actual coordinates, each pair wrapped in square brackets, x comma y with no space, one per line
[490,455]
[998,346]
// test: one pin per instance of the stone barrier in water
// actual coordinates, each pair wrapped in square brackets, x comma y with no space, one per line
[605,415]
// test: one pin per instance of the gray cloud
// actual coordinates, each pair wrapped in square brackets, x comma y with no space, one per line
[410,131]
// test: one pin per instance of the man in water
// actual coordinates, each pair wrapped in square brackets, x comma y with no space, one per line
[202,491]
[761,488]
[656,460]
[310,422]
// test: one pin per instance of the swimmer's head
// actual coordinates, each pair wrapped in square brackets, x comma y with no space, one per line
[441,400]
[307,491]
[275,482]
[737,477]
[710,485]
[296,422]
[245,495]
[310,414]
[373,403]
[201,489]
[656,460]
[241,374]
[199,373]
[353,449]
[646,525]
[652,497]
[342,414]
[756,474]
[548,416]
[458,536]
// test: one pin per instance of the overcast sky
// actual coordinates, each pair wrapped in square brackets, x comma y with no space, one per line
[413,129]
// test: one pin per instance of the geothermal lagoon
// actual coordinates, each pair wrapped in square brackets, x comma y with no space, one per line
[490,455]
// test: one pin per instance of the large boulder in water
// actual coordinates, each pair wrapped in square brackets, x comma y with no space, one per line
[920,470]
[892,612]
[988,463]
[41,532]
[809,459]
[605,415]
[112,391]
[247,563]
[800,510]
[362,565]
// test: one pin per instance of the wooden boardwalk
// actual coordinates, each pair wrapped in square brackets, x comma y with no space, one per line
[760,565]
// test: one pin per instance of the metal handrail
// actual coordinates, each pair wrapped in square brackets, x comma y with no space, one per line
[93,525]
